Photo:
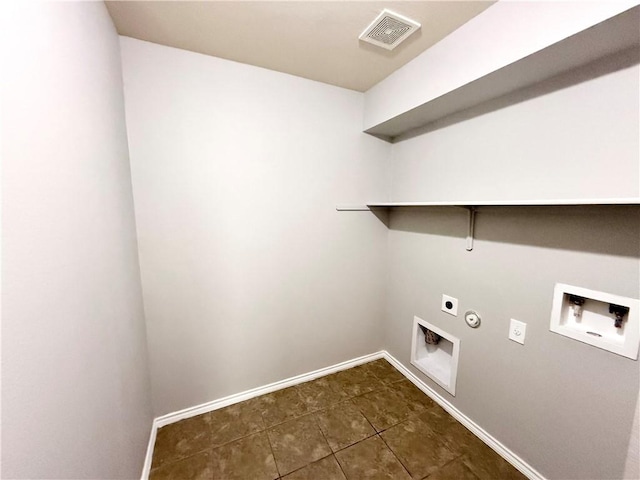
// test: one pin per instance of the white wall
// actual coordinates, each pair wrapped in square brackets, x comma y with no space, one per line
[565,407]
[249,274]
[75,386]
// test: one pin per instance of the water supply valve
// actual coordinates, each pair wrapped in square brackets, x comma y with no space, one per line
[577,302]
[620,312]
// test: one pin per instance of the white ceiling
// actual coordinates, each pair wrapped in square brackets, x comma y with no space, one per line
[317,40]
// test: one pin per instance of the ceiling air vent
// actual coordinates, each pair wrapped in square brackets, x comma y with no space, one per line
[389,30]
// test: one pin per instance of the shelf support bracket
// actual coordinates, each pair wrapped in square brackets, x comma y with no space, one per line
[472,223]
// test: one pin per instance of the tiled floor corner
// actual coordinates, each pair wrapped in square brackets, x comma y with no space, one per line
[367,422]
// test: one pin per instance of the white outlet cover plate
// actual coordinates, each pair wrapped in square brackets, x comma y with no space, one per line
[454,301]
[517,331]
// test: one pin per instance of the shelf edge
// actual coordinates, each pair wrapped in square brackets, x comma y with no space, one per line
[513,203]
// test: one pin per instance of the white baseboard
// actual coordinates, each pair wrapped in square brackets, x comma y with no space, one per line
[498,447]
[526,469]
[146,468]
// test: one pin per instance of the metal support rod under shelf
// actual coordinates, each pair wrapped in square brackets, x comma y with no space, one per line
[472,224]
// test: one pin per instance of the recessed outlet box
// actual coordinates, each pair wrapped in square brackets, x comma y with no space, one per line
[450,305]
[604,320]
[438,361]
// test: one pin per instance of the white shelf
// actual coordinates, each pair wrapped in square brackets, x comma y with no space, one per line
[495,203]
[472,205]
[509,203]
[612,36]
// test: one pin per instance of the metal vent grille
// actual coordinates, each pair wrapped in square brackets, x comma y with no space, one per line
[389,30]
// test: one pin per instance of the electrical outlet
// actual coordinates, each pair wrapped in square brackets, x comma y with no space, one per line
[517,331]
[450,305]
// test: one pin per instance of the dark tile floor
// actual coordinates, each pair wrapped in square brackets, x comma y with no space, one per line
[367,422]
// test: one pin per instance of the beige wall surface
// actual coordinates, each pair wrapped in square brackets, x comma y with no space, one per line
[76,397]
[573,136]
[249,274]
[565,407]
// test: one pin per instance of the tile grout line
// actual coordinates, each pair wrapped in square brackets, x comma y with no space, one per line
[448,463]
[367,419]
[181,459]
[332,454]
[273,454]
[213,447]
[394,454]
[341,468]
[306,414]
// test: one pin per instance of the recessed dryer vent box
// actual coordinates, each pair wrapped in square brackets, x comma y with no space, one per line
[439,361]
[604,320]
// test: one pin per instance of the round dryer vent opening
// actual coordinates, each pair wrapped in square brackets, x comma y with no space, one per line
[389,30]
